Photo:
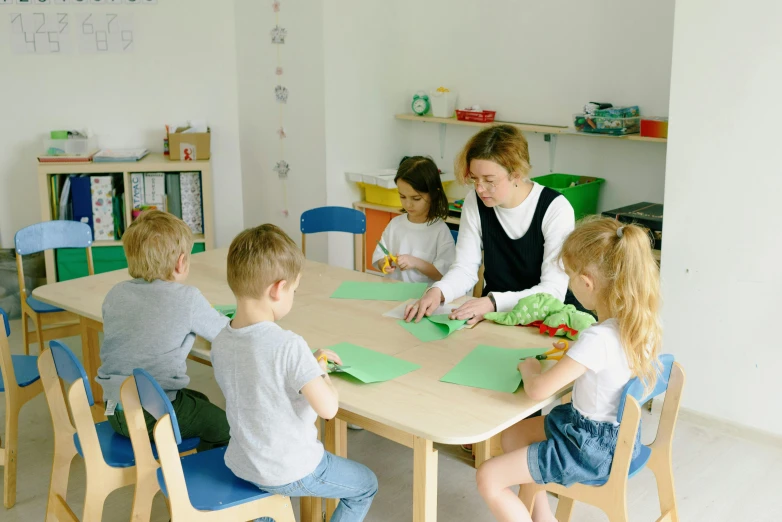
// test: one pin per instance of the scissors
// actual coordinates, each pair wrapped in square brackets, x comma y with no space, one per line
[389,257]
[332,366]
[555,354]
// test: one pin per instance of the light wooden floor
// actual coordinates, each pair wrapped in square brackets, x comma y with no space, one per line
[717,475]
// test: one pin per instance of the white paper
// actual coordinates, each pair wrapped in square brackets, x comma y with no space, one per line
[399,311]
[103,33]
[39,32]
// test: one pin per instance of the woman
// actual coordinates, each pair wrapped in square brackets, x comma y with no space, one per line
[518,224]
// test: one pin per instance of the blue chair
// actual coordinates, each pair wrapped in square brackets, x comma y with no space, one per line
[336,219]
[108,456]
[39,238]
[611,495]
[200,487]
[455,234]
[19,381]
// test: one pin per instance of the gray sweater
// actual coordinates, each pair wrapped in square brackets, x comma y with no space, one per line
[153,326]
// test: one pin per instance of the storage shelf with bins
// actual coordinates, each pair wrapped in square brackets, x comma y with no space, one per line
[108,254]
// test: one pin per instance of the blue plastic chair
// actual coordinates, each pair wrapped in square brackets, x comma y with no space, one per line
[656,456]
[336,219]
[455,234]
[200,487]
[39,238]
[19,382]
[108,457]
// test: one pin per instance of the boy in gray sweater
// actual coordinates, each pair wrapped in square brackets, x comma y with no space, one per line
[151,322]
[275,387]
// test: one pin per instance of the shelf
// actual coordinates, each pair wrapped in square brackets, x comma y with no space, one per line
[106,243]
[156,162]
[528,127]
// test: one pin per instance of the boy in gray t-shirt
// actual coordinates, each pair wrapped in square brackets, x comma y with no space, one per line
[275,387]
[151,322]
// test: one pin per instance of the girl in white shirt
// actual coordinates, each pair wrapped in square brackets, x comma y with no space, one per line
[513,225]
[419,239]
[611,270]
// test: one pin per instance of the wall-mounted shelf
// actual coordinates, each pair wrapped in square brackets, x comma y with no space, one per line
[550,132]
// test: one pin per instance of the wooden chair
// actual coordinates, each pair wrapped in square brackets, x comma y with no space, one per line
[108,457]
[37,238]
[200,487]
[20,381]
[611,495]
[336,219]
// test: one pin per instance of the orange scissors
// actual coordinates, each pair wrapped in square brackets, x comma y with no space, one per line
[389,257]
[555,354]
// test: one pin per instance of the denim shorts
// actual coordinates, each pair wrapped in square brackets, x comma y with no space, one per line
[576,449]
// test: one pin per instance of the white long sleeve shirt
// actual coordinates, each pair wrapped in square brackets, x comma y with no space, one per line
[558,223]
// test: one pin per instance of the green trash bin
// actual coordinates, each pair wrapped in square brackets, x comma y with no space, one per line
[581,191]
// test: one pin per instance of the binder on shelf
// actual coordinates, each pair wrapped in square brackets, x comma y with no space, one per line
[137,190]
[154,189]
[81,199]
[192,206]
[173,194]
[102,192]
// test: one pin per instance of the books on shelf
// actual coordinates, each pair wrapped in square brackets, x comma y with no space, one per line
[176,192]
[66,159]
[101,195]
[192,206]
[119,155]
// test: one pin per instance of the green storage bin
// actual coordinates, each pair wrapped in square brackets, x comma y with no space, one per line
[72,262]
[582,191]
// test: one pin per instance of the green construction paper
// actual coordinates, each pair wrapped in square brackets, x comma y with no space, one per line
[369,366]
[491,368]
[432,328]
[379,291]
[227,310]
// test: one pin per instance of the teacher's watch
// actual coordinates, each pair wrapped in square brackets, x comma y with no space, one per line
[493,302]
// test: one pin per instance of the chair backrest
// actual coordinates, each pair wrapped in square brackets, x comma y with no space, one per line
[154,400]
[635,388]
[455,234]
[6,324]
[6,362]
[52,234]
[69,369]
[333,219]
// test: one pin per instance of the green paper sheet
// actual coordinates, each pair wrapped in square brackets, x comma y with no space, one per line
[432,328]
[369,366]
[491,368]
[379,291]
[227,310]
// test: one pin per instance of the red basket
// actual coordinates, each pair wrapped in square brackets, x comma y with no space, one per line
[482,117]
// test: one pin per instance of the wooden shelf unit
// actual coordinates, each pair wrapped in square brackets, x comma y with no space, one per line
[151,163]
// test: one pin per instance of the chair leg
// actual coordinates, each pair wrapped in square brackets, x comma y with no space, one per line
[39,329]
[94,499]
[11,444]
[143,496]
[527,495]
[25,333]
[564,509]
[663,475]
[58,487]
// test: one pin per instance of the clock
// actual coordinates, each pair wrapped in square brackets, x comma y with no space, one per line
[420,103]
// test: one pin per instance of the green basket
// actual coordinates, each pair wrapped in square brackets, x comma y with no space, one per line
[581,191]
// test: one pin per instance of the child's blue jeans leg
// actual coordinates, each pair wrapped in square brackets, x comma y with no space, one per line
[353,483]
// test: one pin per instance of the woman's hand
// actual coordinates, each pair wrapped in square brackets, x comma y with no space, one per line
[473,310]
[424,306]
[408,262]
[324,356]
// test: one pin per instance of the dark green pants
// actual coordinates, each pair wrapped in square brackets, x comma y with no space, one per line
[197,417]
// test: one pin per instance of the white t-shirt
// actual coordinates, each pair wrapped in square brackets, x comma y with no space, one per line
[597,393]
[432,243]
[558,222]
[261,370]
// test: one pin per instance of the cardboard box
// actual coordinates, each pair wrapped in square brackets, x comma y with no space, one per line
[189,146]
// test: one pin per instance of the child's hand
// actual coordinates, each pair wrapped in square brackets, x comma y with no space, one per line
[407,262]
[529,366]
[324,356]
[386,269]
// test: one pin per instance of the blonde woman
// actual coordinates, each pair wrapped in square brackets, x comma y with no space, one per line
[517,224]
[611,270]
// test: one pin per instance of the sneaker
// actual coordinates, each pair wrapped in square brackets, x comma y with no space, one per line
[467,448]
[355,427]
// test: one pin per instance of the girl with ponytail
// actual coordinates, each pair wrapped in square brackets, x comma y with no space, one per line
[611,271]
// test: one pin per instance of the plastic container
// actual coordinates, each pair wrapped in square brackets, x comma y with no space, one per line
[443,103]
[72,147]
[478,116]
[581,191]
[654,127]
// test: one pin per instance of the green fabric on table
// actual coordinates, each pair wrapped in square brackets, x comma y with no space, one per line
[366,291]
[557,317]
[491,368]
[432,328]
[370,366]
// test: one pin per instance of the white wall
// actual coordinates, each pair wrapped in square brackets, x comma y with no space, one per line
[533,62]
[184,67]
[721,276]
[303,116]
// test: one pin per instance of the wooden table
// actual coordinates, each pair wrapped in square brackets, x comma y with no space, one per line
[416,410]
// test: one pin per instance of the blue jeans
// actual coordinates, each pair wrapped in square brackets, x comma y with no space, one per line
[353,483]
